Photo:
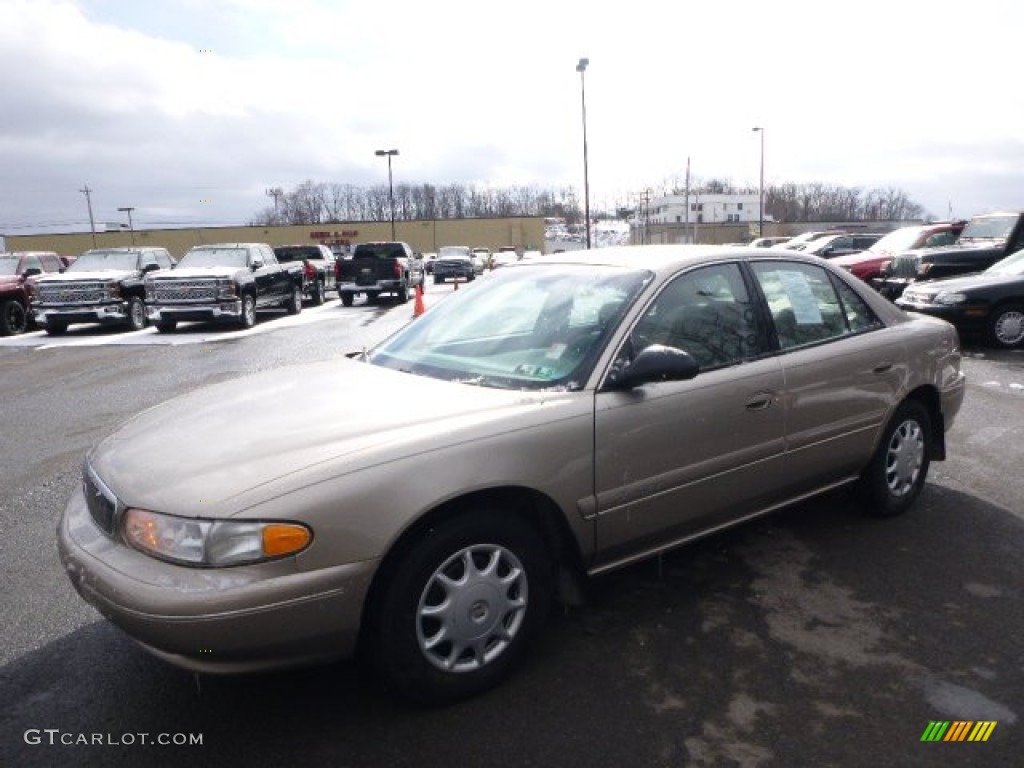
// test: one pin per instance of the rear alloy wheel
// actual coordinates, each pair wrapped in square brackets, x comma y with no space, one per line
[896,474]
[136,314]
[319,293]
[1006,325]
[248,317]
[13,318]
[294,303]
[461,607]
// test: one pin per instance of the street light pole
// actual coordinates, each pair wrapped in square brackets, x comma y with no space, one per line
[581,67]
[131,228]
[389,153]
[760,216]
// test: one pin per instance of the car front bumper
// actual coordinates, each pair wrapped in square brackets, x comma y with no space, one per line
[224,311]
[218,620]
[968,318]
[113,314]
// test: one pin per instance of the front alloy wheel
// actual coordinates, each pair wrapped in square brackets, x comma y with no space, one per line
[461,606]
[136,314]
[248,318]
[13,319]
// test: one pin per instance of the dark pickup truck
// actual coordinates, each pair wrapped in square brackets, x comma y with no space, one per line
[318,264]
[102,286]
[986,239]
[19,272]
[225,282]
[376,268]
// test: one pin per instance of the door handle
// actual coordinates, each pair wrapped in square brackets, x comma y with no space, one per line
[882,368]
[760,401]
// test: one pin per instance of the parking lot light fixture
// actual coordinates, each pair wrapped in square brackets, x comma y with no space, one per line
[760,197]
[389,153]
[581,67]
[131,227]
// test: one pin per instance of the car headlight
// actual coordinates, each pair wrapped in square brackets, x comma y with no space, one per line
[194,541]
[950,298]
[226,288]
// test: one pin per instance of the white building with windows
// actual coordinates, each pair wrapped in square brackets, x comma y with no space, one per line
[704,209]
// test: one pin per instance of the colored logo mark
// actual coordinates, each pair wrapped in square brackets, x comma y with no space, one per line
[958,730]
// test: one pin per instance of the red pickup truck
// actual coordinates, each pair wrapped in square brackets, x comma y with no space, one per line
[18,273]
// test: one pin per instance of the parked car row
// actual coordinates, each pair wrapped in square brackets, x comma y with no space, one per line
[132,287]
[970,273]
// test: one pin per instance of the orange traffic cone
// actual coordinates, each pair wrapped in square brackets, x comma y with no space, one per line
[418,308]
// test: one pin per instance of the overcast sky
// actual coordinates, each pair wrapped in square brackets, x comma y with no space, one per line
[188,110]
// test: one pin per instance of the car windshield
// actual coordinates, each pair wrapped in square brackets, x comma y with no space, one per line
[8,266]
[296,253]
[379,251]
[539,326]
[898,240]
[997,227]
[453,252]
[92,261]
[1011,265]
[215,257]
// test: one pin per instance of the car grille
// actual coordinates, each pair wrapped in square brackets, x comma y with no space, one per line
[178,291]
[101,502]
[73,293]
[904,266]
[453,266]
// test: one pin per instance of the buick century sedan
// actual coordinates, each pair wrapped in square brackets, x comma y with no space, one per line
[586,411]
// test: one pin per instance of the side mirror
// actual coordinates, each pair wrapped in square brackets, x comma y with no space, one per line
[656,363]
[256,264]
[151,267]
[31,272]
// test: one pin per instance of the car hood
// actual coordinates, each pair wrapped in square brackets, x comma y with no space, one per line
[853,259]
[74,277]
[218,450]
[9,281]
[965,283]
[980,246]
[193,272]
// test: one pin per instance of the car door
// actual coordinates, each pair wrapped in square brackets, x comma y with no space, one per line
[267,275]
[672,459]
[843,369]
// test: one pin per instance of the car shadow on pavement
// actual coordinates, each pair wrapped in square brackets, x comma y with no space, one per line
[815,635]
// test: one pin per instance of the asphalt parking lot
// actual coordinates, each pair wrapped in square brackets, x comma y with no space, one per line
[810,637]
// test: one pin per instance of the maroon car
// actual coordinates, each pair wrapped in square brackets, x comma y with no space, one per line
[868,264]
[18,272]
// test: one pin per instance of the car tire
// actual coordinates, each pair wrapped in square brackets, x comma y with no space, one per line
[248,316]
[438,280]
[347,299]
[483,580]
[167,326]
[13,318]
[136,314]
[892,481]
[319,293]
[56,328]
[1006,326]
[403,295]
[294,302]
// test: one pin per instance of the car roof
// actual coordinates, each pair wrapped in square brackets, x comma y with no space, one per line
[669,258]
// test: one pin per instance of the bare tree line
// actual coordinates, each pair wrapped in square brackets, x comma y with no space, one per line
[313,202]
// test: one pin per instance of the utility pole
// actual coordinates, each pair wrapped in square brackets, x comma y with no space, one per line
[645,199]
[92,223]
